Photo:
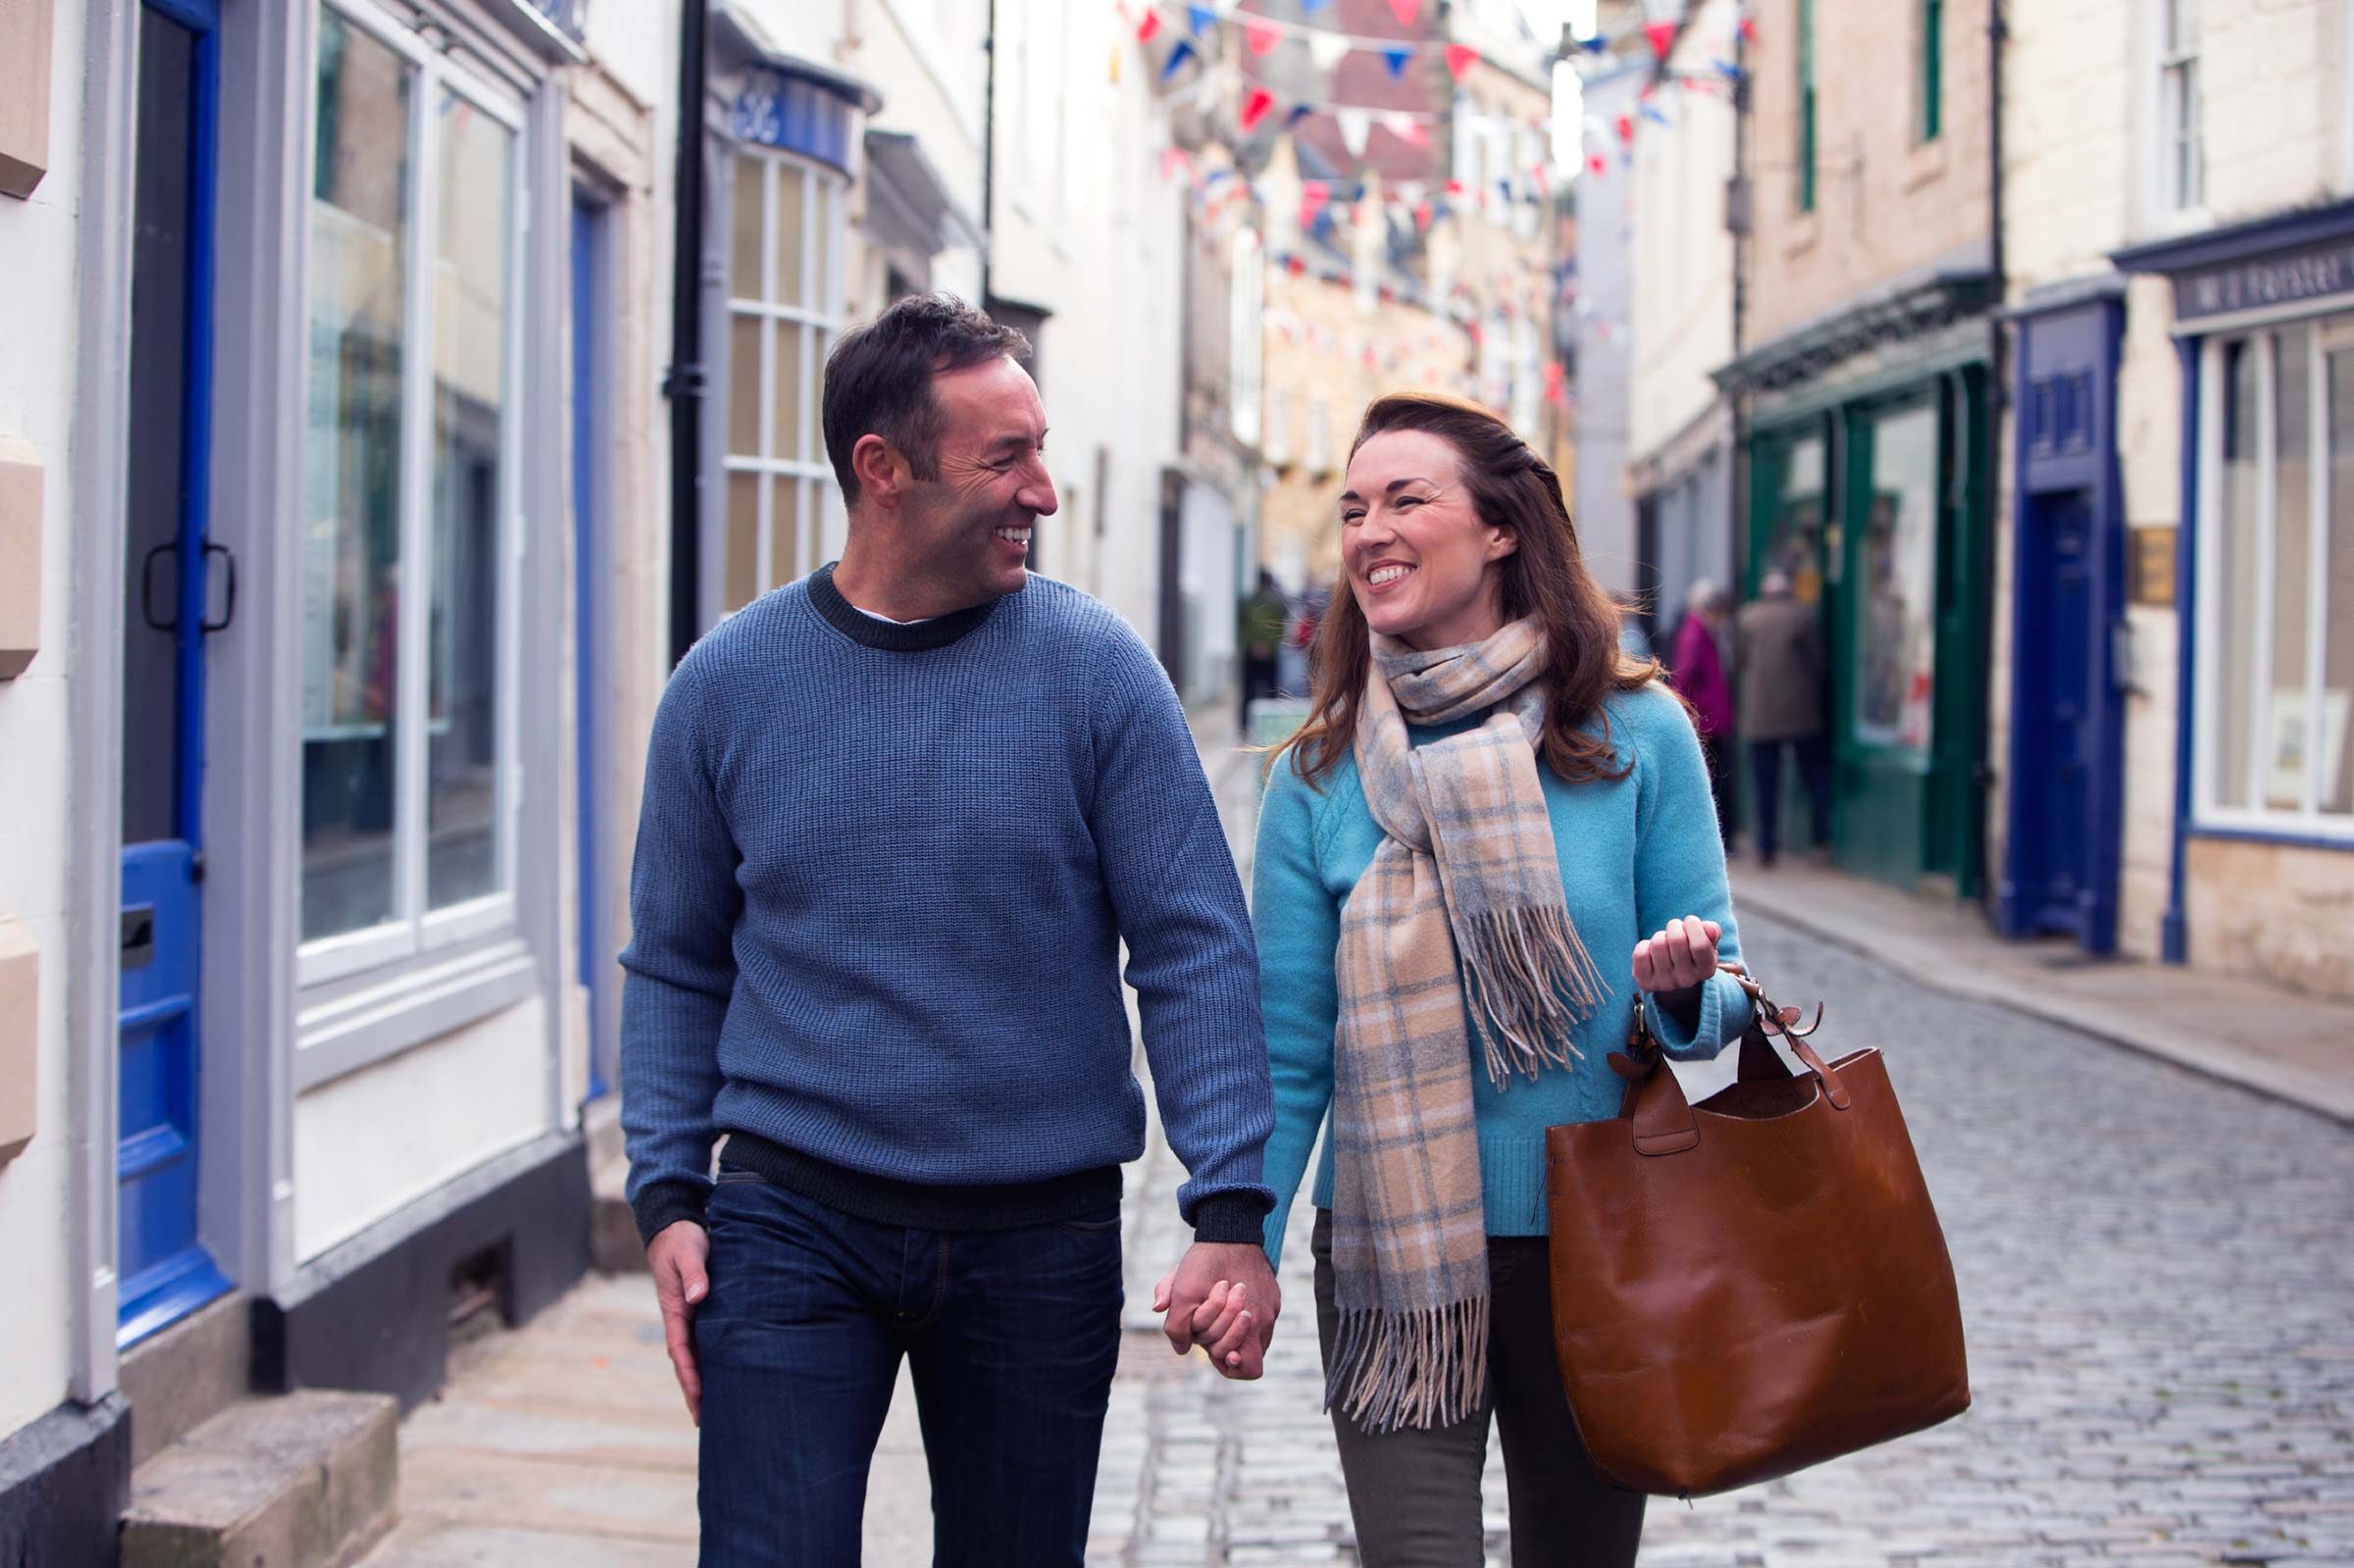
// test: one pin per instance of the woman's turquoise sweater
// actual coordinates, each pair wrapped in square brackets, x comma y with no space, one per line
[1636,853]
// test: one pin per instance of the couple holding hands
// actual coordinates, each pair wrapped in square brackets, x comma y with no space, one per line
[899,817]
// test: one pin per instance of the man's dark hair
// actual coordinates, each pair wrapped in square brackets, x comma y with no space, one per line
[879,379]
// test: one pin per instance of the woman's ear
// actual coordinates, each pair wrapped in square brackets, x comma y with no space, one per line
[1503,542]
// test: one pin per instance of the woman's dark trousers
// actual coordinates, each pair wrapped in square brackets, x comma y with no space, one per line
[1414,1494]
[1011,1339]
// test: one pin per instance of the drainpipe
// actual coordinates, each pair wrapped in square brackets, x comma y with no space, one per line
[1737,500]
[685,384]
[989,155]
[1998,397]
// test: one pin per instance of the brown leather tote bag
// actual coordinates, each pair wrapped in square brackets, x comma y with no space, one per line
[1752,1285]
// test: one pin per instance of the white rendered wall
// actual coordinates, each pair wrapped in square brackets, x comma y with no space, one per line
[37,249]
[367,1144]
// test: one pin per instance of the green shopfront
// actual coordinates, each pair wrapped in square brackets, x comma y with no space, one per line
[1867,462]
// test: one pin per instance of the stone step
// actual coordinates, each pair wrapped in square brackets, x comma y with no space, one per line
[304,1480]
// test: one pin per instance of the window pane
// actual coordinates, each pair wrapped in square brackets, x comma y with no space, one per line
[744,385]
[741,582]
[787,558]
[1896,635]
[473,234]
[785,441]
[351,473]
[827,200]
[746,219]
[1797,547]
[2336,756]
[788,219]
[2232,539]
[2292,537]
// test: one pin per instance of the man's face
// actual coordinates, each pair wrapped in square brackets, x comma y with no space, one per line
[968,530]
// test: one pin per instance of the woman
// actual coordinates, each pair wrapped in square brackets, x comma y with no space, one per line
[1458,860]
[1700,675]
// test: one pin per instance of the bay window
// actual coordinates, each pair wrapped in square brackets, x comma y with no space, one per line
[408,634]
[2276,590]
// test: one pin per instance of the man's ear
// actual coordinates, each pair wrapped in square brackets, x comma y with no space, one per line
[881,472]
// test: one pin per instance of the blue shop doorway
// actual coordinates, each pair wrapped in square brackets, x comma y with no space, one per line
[2065,807]
[592,564]
[182,590]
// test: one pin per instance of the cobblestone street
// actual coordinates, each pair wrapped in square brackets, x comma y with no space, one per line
[2155,1278]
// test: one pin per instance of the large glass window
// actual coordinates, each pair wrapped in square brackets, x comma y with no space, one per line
[2276,581]
[1896,626]
[407,584]
[784,310]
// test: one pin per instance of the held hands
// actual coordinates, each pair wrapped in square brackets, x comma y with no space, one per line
[1223,1298]
[1674,961]
[679,1256]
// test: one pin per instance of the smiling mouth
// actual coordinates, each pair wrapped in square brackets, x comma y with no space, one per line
[1381,577]
[1020,536]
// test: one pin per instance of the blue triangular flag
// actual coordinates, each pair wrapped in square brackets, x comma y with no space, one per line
[1594,45]
[1298,113]
[1397,59]
[1308,8]
[1652,111]
[1177,58]
[1199,18]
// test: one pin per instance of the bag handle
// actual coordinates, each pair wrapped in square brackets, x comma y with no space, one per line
[1655,1103]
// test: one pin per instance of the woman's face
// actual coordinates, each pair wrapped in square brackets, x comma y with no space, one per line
[1424,568]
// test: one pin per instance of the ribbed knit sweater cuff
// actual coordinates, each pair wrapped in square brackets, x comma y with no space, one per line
[663,1205]
[1231,1217]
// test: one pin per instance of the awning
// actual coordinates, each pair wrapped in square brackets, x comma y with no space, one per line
[908,205]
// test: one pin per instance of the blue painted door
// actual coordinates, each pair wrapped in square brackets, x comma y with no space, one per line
[180,588]
[2064,825]
[588,556]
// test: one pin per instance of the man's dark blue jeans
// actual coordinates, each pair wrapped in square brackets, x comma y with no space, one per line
[1813,753]
[1012,1336]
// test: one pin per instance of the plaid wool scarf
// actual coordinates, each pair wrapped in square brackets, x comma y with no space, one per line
[1461,911]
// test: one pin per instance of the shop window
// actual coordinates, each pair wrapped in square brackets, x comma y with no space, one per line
[784,312]
[1896,626]
[408,637]
[2276,581]
[2181,156]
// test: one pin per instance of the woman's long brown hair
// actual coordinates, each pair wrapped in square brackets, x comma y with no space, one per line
[1511,487]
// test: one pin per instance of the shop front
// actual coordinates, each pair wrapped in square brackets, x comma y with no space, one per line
[1867,462]
[2264,830]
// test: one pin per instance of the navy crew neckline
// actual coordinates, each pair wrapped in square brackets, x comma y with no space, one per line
[892,636]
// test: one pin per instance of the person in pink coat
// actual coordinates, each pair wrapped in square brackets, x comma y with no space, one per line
[1700,673]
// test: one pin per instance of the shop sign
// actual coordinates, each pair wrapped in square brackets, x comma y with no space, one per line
[2306,274]
[792,115]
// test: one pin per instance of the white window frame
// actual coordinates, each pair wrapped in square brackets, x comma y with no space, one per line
[1319,436]
[2169,206]
[415,929]
[824,219]
[2307,821]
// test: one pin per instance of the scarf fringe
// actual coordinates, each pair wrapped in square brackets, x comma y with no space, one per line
[1529,980]
[1424,1366]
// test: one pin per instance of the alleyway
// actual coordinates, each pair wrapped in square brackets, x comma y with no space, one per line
[2153,1270]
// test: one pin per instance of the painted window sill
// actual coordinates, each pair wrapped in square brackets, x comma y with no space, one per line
[1805,233]
[340,1029]
[2293,834]
[1926,163]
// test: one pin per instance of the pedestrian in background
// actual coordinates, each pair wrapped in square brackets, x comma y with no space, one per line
[1782,670]
[899,817]
[1259,634]
[1486,843]
[1701,646]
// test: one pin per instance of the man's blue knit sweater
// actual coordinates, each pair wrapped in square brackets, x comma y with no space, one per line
[882,873]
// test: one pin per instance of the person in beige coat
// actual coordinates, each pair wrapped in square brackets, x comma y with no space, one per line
[1780,694]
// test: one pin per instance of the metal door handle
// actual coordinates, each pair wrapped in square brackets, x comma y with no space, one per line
[147,588]
[228,611]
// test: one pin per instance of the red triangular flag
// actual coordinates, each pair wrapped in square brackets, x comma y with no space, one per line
[1461,56]
[1662,35]
[1406,11]
[1255,108]
[1261,37]
[1597,163]
[1296,266]
[1313,196]
[1149,29]
[1422,214]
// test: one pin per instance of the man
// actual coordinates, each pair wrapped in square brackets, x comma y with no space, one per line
[897,819]
[1782,668]
[1258,629]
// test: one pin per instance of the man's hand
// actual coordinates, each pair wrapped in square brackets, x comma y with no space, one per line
[1222,1296]
[677,1255]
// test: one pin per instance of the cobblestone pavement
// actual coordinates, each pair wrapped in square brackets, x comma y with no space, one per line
[2160,1302]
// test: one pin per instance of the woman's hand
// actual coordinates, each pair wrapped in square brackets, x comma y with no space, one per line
[1675,961]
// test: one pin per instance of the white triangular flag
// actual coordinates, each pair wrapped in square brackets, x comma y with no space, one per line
[1327,48]
[1356,124]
